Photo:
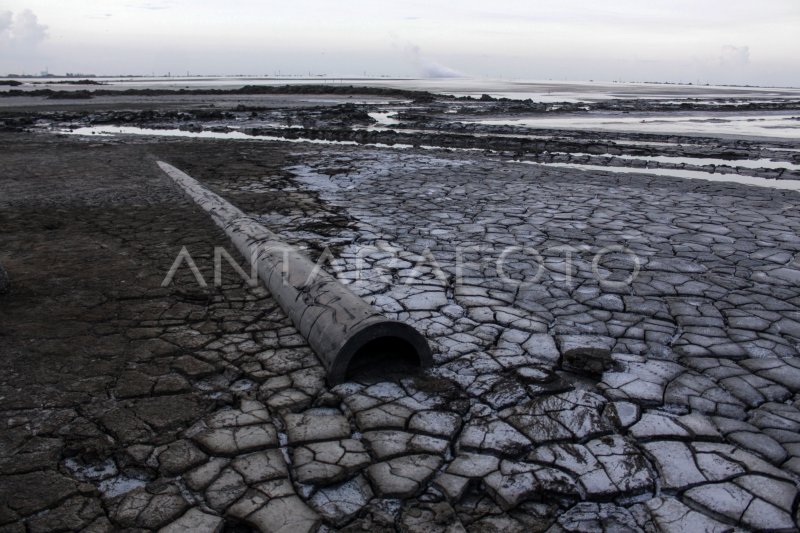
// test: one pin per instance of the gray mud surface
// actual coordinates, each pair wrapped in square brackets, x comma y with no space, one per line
[563,398]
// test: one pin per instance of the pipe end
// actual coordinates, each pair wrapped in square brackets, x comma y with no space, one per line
[385,347]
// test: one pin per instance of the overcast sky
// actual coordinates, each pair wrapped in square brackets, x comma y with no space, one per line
[717,41]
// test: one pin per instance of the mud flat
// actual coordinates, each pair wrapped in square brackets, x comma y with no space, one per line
[612,350]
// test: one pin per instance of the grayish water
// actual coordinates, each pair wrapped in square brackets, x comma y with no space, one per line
[774,125]
[547,91]
[744,163]
[790,185]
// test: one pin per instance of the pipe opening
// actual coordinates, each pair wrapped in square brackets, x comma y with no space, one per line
[382,356]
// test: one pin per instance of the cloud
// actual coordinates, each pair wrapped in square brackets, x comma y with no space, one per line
[151,6]
[5,21]
[21,31]
[429,68]
[734,56]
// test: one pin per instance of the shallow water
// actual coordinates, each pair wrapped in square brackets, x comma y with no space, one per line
[653,143]
[785,125]
[791,185]
[547,91]
[744,163]
[384,118]
[107,131]
[119,485]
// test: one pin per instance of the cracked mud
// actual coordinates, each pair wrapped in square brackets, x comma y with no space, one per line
[576,402]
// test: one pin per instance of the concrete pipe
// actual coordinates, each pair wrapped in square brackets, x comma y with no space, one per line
[347,334]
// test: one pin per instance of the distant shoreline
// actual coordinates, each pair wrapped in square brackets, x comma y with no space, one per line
[101,78]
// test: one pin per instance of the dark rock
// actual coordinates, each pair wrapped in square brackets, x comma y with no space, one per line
[587,354]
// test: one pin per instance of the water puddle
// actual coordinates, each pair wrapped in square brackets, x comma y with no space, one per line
[772,125]
[97,471]
[105,475]
[119,485]
[653,143]
[237,135]
[700,161]
[718,103]
[790,185]
[106,131]
[384,118]
[744,163]
[109,131]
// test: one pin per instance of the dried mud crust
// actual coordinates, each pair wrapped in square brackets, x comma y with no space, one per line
[97,356]
[668,406]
